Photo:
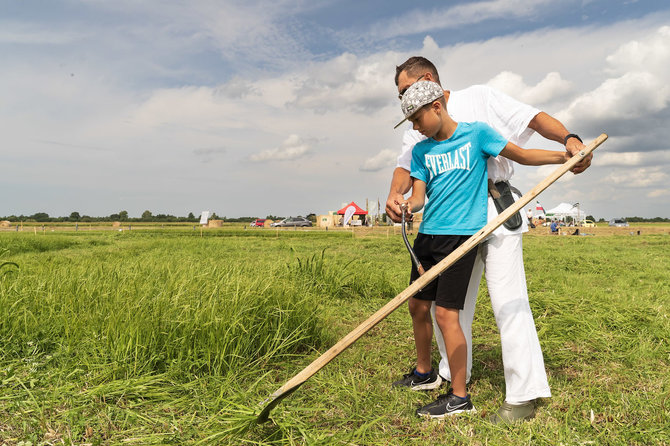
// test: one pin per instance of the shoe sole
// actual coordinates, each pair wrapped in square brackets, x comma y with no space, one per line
[444,415]
[428,386]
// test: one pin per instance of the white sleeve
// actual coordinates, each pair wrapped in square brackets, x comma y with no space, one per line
[409,140]
[511,116]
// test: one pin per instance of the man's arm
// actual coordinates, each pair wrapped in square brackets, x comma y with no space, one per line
[400,185]
[551,128]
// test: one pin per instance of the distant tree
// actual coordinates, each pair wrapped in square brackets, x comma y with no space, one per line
[40,216]
[214,216]
[115,217]
[123,216]
[590,217]
[191,217]
[146,216]
[74,216]
[311,217]
[274,217]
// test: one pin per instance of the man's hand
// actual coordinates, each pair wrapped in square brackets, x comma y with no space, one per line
[573,147]
[401,183]
[393,207]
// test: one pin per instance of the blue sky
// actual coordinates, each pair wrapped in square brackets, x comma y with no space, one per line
[287,107]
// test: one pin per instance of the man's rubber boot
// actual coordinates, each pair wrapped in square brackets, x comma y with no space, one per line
[509,413]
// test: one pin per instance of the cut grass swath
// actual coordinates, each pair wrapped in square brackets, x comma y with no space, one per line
[294,383]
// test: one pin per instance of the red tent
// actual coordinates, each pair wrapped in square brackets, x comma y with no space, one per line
[358,211]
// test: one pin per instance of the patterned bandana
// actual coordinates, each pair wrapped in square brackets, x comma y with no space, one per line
[417,95]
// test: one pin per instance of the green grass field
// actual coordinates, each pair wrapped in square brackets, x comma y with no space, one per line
[170,337]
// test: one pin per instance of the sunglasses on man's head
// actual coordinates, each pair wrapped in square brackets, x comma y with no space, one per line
[402,92]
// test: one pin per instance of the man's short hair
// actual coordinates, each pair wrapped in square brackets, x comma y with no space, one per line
[416,66]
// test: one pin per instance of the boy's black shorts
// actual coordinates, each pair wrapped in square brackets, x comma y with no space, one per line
[449,288]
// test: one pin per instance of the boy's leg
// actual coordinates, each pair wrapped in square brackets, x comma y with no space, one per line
[525,375]
[452,289]
[447,320]
[423,377]
[465,317]
[423,332]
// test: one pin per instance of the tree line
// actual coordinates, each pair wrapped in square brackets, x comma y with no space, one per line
[122,216]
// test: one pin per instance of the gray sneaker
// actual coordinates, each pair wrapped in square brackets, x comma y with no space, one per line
[415,382]
[446,405]
[509,413]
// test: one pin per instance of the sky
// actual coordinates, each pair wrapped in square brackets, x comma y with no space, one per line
[256,108]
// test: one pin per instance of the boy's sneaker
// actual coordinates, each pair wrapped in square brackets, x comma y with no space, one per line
[416,382]
[445,405]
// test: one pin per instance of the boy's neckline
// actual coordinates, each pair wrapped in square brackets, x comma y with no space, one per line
[458,124]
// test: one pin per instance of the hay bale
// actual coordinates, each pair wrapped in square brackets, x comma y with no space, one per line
[267,223]
[5,224]
[215,223]
[116,224]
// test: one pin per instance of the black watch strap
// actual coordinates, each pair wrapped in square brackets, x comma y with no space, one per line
[572,135]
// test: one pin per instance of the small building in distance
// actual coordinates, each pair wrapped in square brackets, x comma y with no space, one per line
[330,220]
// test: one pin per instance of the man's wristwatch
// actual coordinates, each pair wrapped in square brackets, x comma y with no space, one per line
[571,135]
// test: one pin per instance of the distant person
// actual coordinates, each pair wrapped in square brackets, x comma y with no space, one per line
[554,227]
[529,216]
[450,168]
[502,254]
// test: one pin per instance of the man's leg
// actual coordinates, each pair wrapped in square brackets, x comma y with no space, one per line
[525,375]
[466,315]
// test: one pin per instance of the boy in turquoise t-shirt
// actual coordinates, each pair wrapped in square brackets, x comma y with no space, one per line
[450,168]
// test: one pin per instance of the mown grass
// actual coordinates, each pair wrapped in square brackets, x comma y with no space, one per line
[167,337]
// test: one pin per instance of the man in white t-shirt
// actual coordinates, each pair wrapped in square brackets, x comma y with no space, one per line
[501,255]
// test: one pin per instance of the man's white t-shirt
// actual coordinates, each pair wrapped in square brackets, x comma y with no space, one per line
[505,114]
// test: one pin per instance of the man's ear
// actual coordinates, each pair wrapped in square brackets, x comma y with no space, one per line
[428,77]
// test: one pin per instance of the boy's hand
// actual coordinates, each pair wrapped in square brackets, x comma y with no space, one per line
[407,209]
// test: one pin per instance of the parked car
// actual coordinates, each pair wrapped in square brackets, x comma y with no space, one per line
[619,222]
[588,223]
[258,223]
[292,221]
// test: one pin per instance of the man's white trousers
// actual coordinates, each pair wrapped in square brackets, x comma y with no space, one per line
[501,256]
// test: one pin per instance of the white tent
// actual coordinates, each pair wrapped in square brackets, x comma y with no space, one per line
[567,210]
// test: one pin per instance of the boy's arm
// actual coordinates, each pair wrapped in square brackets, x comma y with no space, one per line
[533,157]
[416,201]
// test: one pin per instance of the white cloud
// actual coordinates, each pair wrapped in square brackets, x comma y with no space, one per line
[292,148]
[634,95]
[549,88]
[29,34]
[656,193]
[422,20]
[651,54]
[346,82]
[385,158]
[633,158]
[643,177]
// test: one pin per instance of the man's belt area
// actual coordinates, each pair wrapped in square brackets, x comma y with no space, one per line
[501,192]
